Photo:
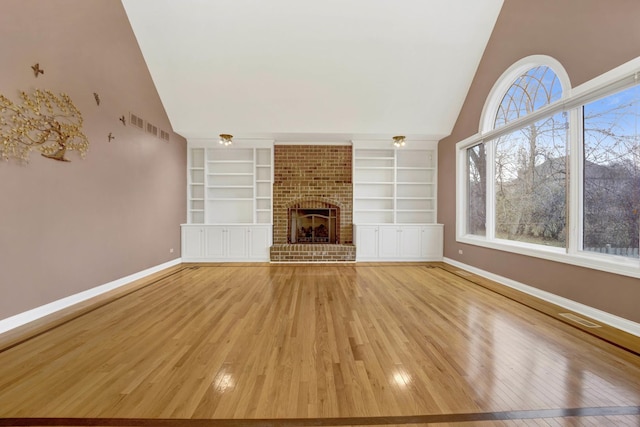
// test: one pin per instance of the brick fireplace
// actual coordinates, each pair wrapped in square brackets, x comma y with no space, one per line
[311,180]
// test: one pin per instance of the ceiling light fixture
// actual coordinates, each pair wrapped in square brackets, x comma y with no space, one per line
[225,139]
[398,141]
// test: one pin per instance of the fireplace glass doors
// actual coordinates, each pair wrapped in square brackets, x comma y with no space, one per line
[313,225]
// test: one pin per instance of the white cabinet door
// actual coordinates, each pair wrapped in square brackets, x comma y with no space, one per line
[410,242]
[432,242]
[399,242]
[219,243]
[259,243]
[236,242]
[366,242]
[192,243]
[389,241]
[214,242]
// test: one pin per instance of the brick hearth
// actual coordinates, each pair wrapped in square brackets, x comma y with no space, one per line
[313,253]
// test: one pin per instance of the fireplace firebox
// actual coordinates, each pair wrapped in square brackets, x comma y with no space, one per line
[313,226]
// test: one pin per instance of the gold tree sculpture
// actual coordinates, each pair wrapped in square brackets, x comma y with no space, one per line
[45,121]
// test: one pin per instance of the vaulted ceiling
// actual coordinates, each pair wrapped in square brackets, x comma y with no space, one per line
[301,70]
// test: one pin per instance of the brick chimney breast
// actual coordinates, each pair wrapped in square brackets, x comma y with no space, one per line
[312,176]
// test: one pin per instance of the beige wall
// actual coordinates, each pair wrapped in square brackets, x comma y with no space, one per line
[588,37]
[68,227]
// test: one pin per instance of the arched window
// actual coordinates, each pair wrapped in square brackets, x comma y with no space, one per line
[524,165]
[528,85]
[537,87]
[548,156]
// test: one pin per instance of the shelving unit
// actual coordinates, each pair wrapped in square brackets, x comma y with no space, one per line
[195,194]
[415,186]
[229,185]
[394,186]
[263,183]
[373,185]
[229,202]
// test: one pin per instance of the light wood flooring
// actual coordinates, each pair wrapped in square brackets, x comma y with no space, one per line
[317,345]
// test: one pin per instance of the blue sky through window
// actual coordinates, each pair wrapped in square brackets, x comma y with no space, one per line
[534,89]
[611,127]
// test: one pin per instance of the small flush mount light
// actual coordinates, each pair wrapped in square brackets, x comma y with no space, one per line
[225,139]
[398,140]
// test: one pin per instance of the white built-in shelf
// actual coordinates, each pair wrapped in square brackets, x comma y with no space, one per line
[394,186]
[229,185]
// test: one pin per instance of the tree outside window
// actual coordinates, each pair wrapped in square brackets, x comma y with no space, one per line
[554,171]
[611,176]
[530,185]
[476,190]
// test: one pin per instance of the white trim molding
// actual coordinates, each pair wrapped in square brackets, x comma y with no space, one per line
[588,311]
[44,310]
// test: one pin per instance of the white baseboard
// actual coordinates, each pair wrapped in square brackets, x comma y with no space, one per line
[47,309]
[593,313]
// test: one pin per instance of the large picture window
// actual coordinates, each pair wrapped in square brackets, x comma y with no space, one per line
[555,173]
[530,185]
[611,189]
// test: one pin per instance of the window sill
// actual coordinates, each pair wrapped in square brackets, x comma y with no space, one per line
[609,263]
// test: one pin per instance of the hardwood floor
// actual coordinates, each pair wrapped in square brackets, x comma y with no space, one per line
[368,344]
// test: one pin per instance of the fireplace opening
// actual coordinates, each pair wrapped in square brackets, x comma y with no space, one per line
[313,225]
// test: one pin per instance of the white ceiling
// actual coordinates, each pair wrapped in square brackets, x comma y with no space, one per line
[323,70]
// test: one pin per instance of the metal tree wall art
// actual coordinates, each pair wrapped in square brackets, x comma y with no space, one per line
[48,122]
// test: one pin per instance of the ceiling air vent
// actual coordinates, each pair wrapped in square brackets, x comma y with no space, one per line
[136,121]
[164,135]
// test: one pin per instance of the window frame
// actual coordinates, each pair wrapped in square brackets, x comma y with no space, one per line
[571,102]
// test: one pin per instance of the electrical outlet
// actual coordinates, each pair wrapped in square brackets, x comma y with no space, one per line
[171,250]
[460,251]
